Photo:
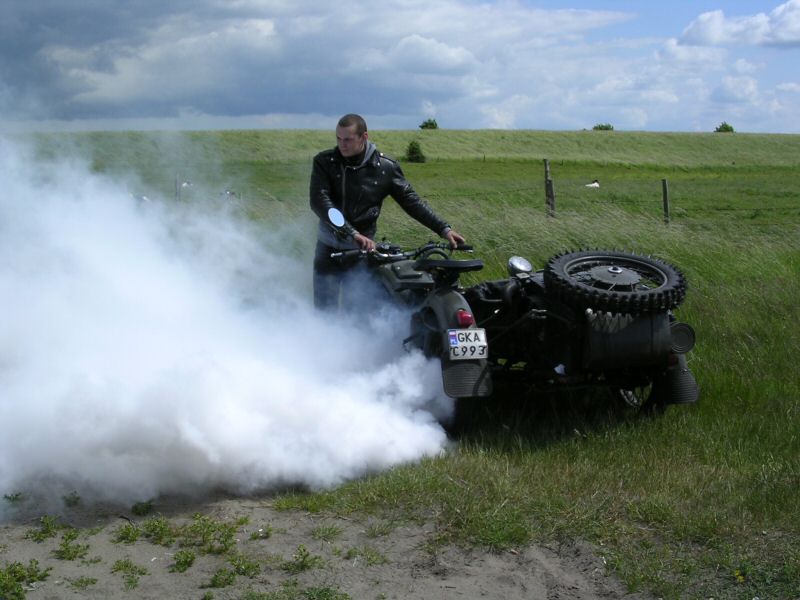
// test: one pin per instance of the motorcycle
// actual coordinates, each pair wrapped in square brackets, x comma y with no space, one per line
[589,319]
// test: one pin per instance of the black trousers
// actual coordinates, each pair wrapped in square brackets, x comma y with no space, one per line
[344,283]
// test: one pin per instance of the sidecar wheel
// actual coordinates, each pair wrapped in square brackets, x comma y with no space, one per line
[640,399]
[617,282]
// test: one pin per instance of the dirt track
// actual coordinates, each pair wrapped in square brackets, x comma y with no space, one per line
[367,559]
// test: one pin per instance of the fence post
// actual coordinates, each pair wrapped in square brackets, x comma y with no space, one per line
[665,198]
[549,193]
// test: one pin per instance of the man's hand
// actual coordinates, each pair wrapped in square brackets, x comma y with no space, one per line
[454,238]
[364,242]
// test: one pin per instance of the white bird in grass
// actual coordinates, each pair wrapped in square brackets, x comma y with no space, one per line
[595,184]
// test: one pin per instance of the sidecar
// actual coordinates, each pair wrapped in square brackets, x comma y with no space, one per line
[590,318]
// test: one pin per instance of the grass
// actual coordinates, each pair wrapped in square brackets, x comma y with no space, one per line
[701,502]
[131,573]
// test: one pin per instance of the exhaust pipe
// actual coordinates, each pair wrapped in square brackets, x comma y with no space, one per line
[678,385]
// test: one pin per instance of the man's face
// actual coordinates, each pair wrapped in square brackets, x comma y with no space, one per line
[349,142]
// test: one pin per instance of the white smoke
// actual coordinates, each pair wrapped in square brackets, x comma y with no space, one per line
[147,349]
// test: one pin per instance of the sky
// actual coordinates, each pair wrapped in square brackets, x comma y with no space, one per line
[514,64]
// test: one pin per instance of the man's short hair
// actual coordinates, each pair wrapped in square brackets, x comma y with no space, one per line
[352,119]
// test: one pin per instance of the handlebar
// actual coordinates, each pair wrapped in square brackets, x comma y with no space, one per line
[394,253]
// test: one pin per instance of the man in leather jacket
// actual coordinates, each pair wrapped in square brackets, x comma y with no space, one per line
[355,178]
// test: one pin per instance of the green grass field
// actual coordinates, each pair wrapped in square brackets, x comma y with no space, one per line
[700,502]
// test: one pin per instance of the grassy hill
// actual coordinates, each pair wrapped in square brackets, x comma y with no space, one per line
[701,502]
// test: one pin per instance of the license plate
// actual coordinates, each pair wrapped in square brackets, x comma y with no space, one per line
[466,344]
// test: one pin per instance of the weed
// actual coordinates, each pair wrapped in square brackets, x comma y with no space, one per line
[81,583]
[369,554]
[301,561]
[244,566]
[127,533]
[382,529]
[159,531]
[67,549]
[14,498]
[222,578]
[14,576]
[142,509]
[72,499]
[326,533]
[208,596]
[262,533]
[211,537]
[48,528]
[324,593]
[130,572]
[183,560]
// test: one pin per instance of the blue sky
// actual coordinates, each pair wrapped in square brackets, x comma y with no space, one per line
[559,65]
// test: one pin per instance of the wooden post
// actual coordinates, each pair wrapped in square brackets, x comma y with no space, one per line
[549,193]
[665,198]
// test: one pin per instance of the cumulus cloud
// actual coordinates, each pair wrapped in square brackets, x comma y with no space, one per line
[779,27]
[737,90]
[249,63]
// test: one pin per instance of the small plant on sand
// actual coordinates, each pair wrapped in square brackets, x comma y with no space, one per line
[127,533]
[183,560]
[368,554]
[159,531]
[48,527]
[326,533]
[381,529]
[301,561]
[222,578]
[81,583]
[262,533]
[209,536]
[14,576]
[14,498]
[130,572]
[67,549]
[244,566]
[72,499]
[141,509]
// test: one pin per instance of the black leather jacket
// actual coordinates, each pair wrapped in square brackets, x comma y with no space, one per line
[359,191]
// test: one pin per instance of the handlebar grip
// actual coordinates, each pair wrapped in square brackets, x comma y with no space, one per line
[347,253]
[465,247]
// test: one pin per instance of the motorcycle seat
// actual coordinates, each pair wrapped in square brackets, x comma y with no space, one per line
[454,266]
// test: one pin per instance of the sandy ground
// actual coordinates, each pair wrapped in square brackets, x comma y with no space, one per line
[368,558]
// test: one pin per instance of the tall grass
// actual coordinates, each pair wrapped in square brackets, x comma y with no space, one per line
[701,502]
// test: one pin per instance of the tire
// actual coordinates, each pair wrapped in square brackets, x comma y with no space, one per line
[641,400]
[615,282]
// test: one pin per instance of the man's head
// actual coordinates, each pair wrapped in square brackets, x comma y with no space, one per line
[351,135]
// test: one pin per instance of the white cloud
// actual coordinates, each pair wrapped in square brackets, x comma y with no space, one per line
[737,90]
[779,27]
[495,64]
[424,55]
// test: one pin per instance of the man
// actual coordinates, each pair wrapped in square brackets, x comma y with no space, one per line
[355,178]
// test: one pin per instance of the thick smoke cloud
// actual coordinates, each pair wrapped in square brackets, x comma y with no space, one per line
[148,350]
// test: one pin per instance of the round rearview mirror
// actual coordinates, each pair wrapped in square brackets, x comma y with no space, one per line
[517,264]
[336,217]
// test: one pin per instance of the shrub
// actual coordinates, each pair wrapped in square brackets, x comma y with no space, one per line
[429,124]
[414,152]
[603,127]
[724,128]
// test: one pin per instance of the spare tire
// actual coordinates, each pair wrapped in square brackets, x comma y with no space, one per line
[617,282]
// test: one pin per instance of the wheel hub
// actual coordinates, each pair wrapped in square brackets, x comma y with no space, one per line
[615,275]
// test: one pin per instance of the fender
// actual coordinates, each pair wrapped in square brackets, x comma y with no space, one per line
[461,378]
